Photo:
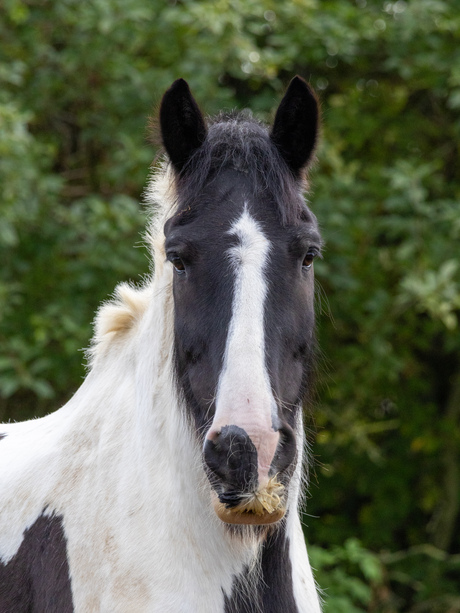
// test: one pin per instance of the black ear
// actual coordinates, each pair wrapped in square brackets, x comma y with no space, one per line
[295,129]
[182,125]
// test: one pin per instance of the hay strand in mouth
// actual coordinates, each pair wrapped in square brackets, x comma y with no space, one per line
[265,506]
[265,500]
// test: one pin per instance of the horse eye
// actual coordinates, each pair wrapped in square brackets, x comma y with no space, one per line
[308,260]
[178,264]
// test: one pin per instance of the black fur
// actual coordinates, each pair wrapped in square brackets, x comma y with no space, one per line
[2,435]
[36,579]
[295,129]
[182,125]
[203,294]
[273,591]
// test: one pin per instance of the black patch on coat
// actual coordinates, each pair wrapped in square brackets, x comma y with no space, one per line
[36,579]
[274,592]
[2,435]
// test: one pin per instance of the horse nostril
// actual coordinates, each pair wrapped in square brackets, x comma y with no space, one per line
[286,450]
[212,456]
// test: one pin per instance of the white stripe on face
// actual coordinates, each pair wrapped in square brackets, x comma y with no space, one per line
[244,396]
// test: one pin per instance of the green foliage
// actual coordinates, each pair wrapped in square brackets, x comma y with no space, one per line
[353,579]
[77,83]
[348,576]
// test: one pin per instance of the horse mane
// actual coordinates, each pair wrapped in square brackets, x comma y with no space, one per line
[116,317]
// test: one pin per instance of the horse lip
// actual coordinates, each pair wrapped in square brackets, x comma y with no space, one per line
[230,516]
[266,505]
[231,498]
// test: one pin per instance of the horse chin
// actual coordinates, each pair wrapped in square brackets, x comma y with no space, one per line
[262,507]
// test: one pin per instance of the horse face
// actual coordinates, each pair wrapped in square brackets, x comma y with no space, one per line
[243,298]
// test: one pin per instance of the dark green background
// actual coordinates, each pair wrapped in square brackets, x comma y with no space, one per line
[79,79]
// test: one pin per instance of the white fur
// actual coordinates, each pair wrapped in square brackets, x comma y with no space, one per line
[304,586]
[119,464]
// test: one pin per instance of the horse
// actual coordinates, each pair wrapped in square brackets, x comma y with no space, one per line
[171,481]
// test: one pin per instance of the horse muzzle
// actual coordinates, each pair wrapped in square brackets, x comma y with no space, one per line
[246,490]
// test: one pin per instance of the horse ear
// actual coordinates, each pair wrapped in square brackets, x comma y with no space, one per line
[295,128]
[182,125]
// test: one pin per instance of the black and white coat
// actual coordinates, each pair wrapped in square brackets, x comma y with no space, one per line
[109,504]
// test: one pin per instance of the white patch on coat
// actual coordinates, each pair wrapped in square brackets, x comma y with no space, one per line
[244,396]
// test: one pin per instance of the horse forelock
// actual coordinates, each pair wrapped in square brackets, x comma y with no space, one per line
[238,141]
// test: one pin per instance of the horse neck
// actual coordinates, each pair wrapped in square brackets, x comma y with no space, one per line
[132,375]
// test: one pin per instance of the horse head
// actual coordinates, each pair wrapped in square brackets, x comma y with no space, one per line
[241,242]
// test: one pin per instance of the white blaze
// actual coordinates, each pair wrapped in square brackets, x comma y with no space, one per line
[244,396]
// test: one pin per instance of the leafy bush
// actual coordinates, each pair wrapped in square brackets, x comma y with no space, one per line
[77,82]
